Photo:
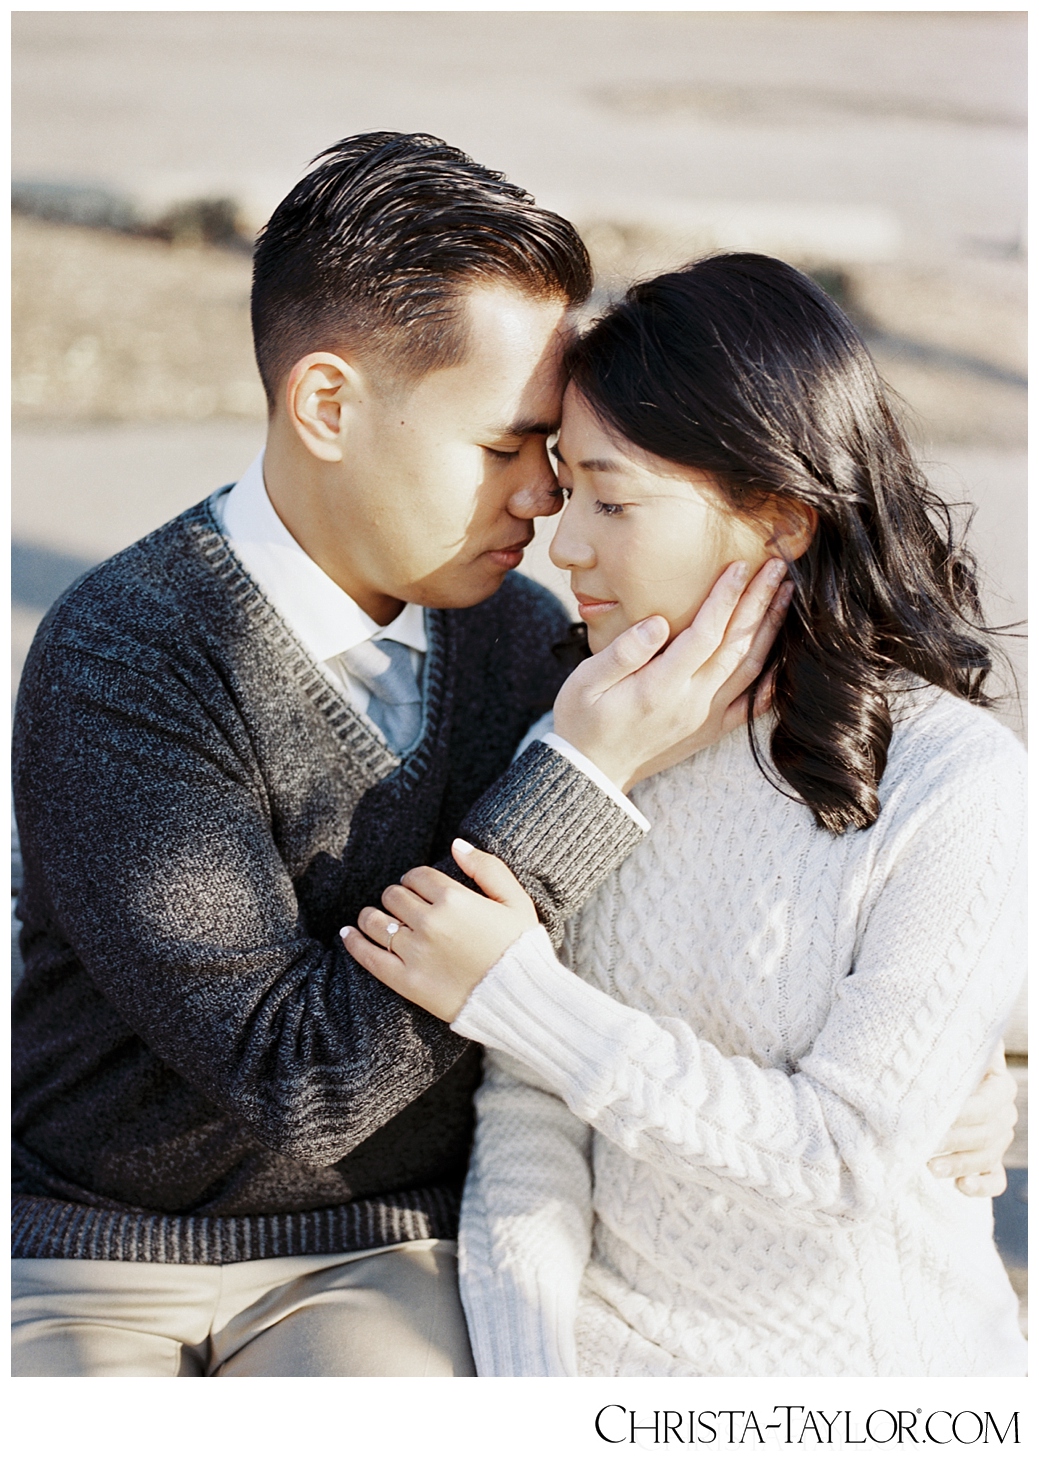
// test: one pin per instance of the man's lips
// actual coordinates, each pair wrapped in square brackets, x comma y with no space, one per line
[509,556]
[589,607]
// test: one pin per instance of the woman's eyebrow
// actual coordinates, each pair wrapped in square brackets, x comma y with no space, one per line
[590,465]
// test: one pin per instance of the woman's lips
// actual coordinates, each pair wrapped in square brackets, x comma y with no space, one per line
[587,608]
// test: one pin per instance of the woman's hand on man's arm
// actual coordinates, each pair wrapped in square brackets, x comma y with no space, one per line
[436,939]
[447,939]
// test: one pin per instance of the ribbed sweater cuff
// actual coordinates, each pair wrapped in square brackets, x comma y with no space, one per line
[558,832]
[608,787]
[532,1007]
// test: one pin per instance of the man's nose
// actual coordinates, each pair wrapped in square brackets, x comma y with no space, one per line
[538,497]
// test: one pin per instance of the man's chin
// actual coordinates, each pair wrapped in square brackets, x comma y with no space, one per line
[468,588]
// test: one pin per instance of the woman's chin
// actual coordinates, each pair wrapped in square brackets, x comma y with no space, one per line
[604,628]
[599,637]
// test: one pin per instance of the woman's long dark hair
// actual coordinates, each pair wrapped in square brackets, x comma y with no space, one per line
[743,367]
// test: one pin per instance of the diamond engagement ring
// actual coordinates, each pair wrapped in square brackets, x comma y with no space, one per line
[391,931]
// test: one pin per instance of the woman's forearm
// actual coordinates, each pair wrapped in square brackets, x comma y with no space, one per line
[908,1034]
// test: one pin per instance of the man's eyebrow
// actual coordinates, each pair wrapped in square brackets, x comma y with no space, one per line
[527,427]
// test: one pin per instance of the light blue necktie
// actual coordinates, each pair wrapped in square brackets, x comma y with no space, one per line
[384,667]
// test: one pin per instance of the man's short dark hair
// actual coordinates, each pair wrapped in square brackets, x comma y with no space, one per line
[374,247]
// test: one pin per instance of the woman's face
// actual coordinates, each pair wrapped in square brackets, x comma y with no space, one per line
[640,535]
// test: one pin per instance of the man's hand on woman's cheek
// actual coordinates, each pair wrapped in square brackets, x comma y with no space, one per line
[634,709]
[436,939]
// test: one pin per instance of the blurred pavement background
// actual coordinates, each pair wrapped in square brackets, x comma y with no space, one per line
[884,151]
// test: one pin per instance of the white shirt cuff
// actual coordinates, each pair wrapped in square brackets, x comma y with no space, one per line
[596,775]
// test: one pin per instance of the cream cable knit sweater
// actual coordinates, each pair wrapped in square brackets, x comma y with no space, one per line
[771,1031]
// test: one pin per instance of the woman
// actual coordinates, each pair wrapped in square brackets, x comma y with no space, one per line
[703,1131]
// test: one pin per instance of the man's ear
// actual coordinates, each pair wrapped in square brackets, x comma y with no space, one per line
[319,393]
[793,525]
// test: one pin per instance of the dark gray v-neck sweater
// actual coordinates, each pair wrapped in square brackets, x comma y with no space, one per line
[201,1073]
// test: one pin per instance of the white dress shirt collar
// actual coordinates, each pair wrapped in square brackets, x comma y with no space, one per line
[324,618]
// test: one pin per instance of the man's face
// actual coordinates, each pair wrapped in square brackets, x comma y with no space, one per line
[439,485]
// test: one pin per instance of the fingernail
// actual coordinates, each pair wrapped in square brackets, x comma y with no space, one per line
[650,631]
[464,847]
[740,572]
[939,1168]
[344,931]
[776,571]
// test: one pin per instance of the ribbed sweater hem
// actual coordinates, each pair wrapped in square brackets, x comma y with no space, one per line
[43,1227]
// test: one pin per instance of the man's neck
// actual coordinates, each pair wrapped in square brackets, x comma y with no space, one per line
[295,485]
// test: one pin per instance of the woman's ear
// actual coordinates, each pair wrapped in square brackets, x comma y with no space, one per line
[318,393]
[793,525]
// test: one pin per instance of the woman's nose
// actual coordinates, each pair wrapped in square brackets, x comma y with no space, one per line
[568,550]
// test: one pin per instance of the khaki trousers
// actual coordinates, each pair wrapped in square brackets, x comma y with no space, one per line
[388,1311]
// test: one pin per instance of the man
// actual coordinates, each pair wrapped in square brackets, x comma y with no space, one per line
[235,1152]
